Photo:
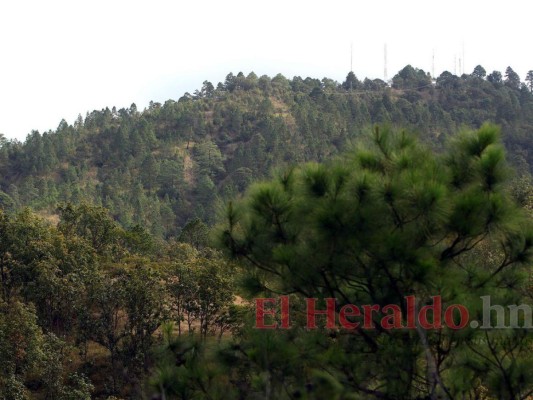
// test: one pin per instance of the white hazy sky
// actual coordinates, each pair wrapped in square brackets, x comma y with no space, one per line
[59,59]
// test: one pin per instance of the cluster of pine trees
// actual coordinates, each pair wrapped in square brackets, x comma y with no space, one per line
[133,243]
[177,161]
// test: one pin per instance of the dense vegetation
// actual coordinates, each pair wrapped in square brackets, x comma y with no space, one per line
[82,301]
[132,243]
[172,162]
[383,223]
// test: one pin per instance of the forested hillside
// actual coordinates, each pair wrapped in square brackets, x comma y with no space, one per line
[154,234]
[172,162]
[90,310]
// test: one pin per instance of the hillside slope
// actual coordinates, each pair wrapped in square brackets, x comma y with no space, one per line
[171,162]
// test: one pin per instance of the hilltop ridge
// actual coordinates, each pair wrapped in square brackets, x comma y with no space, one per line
[172,162]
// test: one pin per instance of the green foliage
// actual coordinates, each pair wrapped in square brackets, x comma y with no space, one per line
[411,78]
[90,223]
[29,355]
[185,371]
[195,233]
[21,339]
[85,303]
[202,290]
[387,221]
[170,163]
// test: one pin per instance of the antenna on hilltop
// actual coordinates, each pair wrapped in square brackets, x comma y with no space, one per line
[385,62]
[433,65]
[464,57]
[351,56]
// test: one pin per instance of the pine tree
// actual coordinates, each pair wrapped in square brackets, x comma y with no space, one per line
[386,222]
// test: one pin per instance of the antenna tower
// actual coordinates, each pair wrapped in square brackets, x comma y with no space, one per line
[385,62]
[433,65]
[464,57]
[351,56]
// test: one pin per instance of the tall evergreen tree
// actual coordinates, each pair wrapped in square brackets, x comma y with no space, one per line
[384,223]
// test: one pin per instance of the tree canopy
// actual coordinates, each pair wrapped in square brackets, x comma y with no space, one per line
[386,221]
[173,162]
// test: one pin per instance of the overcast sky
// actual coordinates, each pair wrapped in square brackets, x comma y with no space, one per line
[59,59]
